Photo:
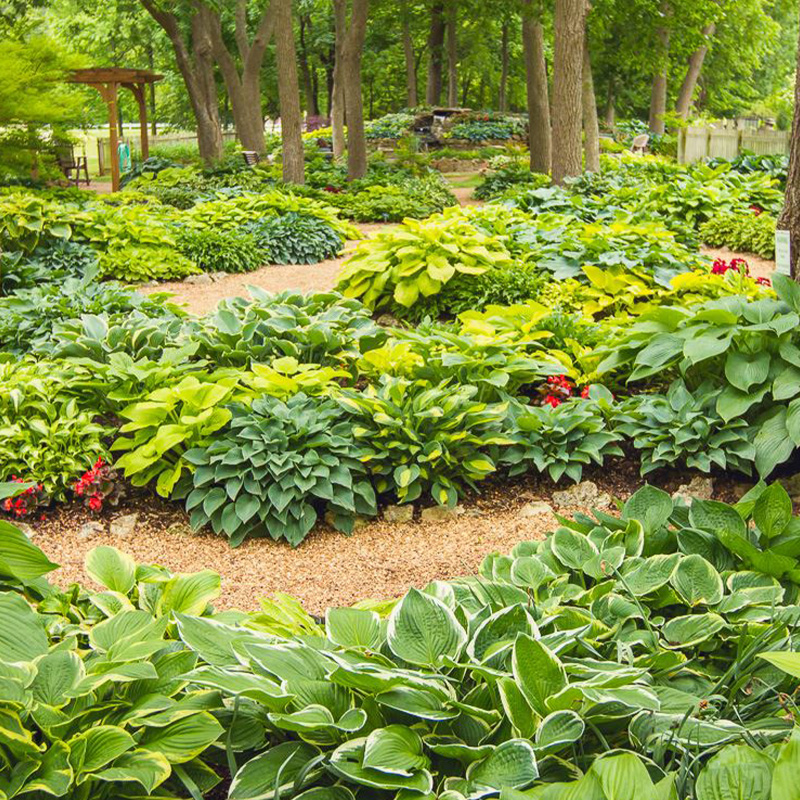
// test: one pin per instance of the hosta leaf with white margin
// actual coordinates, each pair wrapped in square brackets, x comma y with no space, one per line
[347,762]
[396,750]
[272,773]
[697,582]
[422,630]
[539,673]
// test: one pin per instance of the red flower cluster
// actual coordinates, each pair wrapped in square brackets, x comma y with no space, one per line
[333,190]
[721,266]
[98,484]
[559,388]
[26,502]
[762,281]
[756,209]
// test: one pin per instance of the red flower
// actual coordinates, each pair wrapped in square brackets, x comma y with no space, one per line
[756,209]
[762,281]
[95,503]
[552,400]
[585,391]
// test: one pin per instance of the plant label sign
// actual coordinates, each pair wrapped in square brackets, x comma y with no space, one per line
[783,249]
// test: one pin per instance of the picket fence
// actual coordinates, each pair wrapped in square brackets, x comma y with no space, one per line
[696,143]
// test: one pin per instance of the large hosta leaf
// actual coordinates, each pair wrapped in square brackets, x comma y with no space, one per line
[422,630]
[22,635]
[511,764]
[538,672]
[697,582]
[396,750]
[19,559]
[112,569]
[272,772]
[737,772]
[347,763]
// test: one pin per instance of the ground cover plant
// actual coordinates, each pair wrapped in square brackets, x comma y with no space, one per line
[647,652]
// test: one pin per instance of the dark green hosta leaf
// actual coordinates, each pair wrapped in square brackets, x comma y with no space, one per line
[19,559]
[538,672]
[347,762]
[512,764]
[737,771]
[744,370]
[650,574]
[697,582]
[773,510]
[422,630]
[692,629]
[651,506]
[272,772]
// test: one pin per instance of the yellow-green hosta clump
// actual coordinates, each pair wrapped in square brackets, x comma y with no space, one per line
[418,259]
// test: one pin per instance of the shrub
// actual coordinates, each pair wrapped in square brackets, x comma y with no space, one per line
[684,428]
[419,437]
[417,259]
[294,459]
[294,238]
[221,251]
[52,262]
[742,232]
[389,126]
[560,439]
[323,328]
[133,263]
[512,175]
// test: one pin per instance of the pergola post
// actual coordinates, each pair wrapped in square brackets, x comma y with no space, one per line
[107,81]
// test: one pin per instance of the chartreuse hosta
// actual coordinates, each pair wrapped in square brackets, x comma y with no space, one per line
[632,656]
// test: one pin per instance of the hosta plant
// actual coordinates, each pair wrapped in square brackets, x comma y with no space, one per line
[294,238]
[560,440]
[747,232]
[684,428]
[419,437]
[215,250]
[277,469]
[135,263]
[418,259]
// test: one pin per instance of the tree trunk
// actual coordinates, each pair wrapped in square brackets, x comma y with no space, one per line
[658,92]
[591,129]
[611,111]
[433,90]
[502,99]
[539,134]
[309,87]
[570,25]
[338,105]
[789,219]
[452,54]
[352,50]
[411,67]
[196,66]
[288,93]
[693,69]
[152,90]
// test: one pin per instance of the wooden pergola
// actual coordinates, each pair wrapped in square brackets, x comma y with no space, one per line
[107,81]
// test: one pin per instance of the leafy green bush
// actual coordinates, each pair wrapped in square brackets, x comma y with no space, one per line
[30,321]
[294,238]
[389,126]
[684,428]
[419,437]
[742,232]
[221,251]
[291,461]
[560,440]
[133,263]
[418,259]
[55,261]
[323,328]
[28,219]
[45,434]
[514,174]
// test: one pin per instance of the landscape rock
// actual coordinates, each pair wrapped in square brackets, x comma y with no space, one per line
[440,513]
[792,485]
[124,527]
[91,529]
[399,514]
[218,276]
[203,279]
[582,495]
[25,528]
[535,509]
[388,321]
[741,489]
[700,487]
[182,529]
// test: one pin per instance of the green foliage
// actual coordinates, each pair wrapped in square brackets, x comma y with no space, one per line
[276,469]
[221,251]
[743,233]
[560,440]
[323,328]
[133,263]
[389,126]
[419,437]
[294,238]
[26,220]
[45,434]
[512,175]
[55,261]
[418,259]
[683,427]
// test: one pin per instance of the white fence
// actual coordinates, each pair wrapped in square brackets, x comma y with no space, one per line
[695,144]
[132,138]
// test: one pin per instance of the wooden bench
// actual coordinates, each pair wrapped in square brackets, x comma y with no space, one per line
[251,157]
[70,164]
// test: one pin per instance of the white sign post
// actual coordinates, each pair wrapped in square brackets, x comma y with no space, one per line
[783,251]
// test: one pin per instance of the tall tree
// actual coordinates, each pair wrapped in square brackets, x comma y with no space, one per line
[243,85]
[789,219]
[570,29]
[433,91]
[352,35]
[693,68]
[658,89]
[539,134]
[452,53]
[337,99]
[408,53]
[502,93]
[194,55]
[289,93]
[309,76]
[591,128]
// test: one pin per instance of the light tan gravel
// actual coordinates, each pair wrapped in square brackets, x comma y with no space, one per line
[378,561]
